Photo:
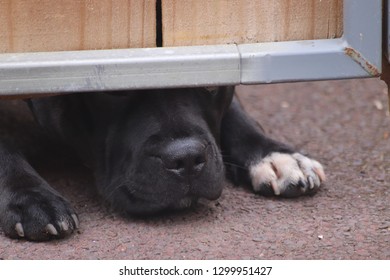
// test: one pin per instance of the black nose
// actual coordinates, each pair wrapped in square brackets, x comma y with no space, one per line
[184,157]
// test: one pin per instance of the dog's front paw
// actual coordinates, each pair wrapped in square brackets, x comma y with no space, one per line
[38,215]
[287,175]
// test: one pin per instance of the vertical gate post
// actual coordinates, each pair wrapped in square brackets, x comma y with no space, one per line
[386,47]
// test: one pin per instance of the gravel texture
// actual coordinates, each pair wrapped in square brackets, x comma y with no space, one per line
[343,124]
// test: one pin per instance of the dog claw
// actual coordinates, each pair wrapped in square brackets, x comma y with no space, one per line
[275,187]
[320,173]
[19,229]
[64,226]
[76,221]
[51,229]
[311,182]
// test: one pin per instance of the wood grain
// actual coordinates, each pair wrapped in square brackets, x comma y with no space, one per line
[61,25]
[199,22]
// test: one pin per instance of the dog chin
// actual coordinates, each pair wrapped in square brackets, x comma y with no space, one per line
[128,204]
[144,208]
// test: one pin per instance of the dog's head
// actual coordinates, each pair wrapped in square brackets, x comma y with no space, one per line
[161,149]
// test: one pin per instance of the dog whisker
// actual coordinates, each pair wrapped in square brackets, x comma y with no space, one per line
[235,165]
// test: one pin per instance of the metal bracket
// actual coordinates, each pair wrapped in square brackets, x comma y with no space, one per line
[357,54]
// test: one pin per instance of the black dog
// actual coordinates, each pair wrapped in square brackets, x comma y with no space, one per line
[150,150]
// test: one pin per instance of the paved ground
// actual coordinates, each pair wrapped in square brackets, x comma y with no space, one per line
[344,124]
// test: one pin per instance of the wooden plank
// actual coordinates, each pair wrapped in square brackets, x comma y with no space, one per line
[62,25]
[199,22]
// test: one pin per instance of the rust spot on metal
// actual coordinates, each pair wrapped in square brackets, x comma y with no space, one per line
[366,65]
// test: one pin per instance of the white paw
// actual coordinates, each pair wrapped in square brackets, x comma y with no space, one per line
[287,175]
